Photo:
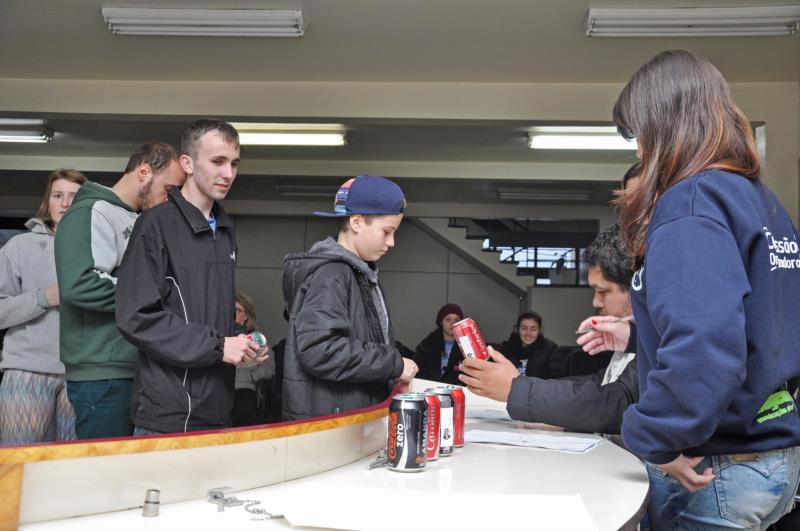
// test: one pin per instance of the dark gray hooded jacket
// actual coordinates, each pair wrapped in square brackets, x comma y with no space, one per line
[339,348]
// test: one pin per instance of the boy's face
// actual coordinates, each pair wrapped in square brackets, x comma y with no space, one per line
[374,236]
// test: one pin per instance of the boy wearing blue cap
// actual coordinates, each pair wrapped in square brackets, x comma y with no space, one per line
[340,352]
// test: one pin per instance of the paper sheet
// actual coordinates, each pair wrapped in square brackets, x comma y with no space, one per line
[533,440]
[351,507]
[487,414]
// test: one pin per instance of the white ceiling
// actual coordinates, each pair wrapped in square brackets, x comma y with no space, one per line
[347,41]
[372,40]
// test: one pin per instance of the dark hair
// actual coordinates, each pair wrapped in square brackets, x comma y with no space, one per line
[679,108]
[192,135]
[608,252]
[157,155]
[44,208]
[250,308]
[632,172]
[529,315]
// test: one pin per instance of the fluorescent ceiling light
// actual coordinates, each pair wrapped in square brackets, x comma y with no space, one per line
[543,194]
[269,134]
[578,137]
[38,135]
[205,22]
[694,22]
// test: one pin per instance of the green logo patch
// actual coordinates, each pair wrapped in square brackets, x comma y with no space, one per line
[776,405]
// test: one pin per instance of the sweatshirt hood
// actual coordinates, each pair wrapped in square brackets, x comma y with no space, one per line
[91,192]
[38,226]
[298,267]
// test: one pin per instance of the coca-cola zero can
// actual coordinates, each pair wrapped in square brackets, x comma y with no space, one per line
[470,339]
[446,427]
[459,412]
[406,446]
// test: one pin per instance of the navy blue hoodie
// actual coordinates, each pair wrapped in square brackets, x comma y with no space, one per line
[717,308]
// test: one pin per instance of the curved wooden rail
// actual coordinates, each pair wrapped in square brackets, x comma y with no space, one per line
[279,452]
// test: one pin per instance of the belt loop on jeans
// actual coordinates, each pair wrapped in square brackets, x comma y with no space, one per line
[741,458]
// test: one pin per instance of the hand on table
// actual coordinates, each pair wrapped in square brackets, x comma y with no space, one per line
[410,370]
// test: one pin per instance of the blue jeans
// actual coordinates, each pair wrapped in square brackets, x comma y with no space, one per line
[102,408]
[746,494]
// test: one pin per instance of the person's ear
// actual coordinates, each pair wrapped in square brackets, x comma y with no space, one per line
[356,222]
[144,172]
[187,164]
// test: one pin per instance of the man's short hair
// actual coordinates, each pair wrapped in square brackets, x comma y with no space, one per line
[157,155]
[192,135]
[607,252]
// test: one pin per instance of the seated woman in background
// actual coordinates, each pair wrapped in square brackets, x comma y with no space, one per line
[248,409]
[438,355]
[528,349]
[33,396]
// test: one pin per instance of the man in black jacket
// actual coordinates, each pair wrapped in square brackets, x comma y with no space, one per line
[340,348]
[588,403]
[175,294]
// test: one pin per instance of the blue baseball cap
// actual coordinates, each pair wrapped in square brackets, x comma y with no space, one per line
[367,195]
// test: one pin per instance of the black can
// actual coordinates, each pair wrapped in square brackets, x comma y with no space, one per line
[408,423]
[446,425]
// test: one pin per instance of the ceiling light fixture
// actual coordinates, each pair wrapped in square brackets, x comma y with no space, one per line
[205,22]
[578,137]
[270,134]
[542,194]
[24,130]
[694,22]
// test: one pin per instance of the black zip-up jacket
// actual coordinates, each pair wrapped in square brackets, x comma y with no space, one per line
[337,357]
[175,303]
[578,403]
[428,357]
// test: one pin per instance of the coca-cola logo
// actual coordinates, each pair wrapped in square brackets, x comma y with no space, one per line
[391,451]
[433,437]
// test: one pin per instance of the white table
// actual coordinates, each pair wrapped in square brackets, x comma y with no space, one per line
[611,482]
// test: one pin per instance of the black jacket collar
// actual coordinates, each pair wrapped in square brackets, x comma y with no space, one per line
[194,217]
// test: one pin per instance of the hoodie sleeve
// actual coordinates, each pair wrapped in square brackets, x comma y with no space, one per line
[695,285]
[86,259]
[17,307]
[143,317]
[325,346]
[579,404]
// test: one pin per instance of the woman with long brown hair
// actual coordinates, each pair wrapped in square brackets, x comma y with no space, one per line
[33,396]
[716,297]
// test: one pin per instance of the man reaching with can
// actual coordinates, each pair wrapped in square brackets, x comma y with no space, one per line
[176,294]
[591,403]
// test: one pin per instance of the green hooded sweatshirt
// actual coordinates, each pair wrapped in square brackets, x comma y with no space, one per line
[90,242]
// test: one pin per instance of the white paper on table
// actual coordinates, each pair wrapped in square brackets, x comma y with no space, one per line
[549,442]
[487,414]
[352,507]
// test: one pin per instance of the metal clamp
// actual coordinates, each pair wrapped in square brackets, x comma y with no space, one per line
[217,496]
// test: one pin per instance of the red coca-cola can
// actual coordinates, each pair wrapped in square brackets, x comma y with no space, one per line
[434,423]
[459,411]
[470,339]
